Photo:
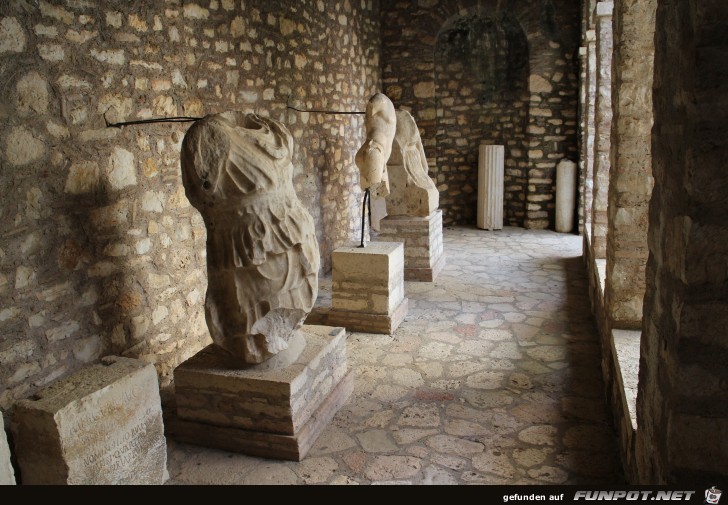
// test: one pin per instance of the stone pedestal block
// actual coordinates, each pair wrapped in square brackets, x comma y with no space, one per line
[565,195]
[424,257]
[276,409]
[367,288]
[490,187]
[7,474]
[101,425]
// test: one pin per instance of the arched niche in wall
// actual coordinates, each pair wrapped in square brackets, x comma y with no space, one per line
[481,65]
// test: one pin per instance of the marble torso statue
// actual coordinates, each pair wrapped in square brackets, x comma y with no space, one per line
[412,192]
[371,159]
[262,253]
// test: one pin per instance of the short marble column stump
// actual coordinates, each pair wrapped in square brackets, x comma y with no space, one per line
[424,257]
[276,409]
[100,425]
[7,474]
[367,288]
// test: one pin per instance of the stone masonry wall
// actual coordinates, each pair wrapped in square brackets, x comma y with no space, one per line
[100,252]
[481,84]
[455,110]
[630,179]
[682,403]
[602,126]
[587,84]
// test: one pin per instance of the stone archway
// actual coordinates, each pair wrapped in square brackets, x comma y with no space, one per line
[481,95]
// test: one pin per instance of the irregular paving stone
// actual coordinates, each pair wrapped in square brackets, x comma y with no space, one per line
[527,458]
[448,444]
[406,377]
[538,435]
[520,381]
[343,480]
[462,428]
[270,474]
[332,440]
[487,399]
[485,380]
[494,461]
[196,464]
[549,474]
[374,441]
[355,460]
[392,467]
[433,475]
[380,419]
[435,350]
[431,370]
[420,416]
[408,435]
[316,470]
[463,368]
[450,461]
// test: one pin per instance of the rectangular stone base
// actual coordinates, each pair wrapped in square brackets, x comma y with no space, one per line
[425,274]
[101,425]
[275,409]
[424,256]
[367,322]
[261,443]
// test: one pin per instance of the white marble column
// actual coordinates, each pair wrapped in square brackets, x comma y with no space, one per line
[565,195]
[490,187]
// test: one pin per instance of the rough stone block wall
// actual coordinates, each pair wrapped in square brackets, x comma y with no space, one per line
[587,174]
[630,180]
[100,252]
[455,110]
[602,126]
[481,84]
[682,403]
[586,114]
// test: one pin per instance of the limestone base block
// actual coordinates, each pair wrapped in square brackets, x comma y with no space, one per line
[7,474]
[367,288]
[276,409]
[424,256]
[100,425]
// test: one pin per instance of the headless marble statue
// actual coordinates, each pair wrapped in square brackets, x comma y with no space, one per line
[412,192]
[262,253]
[371,159]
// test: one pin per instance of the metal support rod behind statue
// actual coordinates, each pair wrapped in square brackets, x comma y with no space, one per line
[366,205]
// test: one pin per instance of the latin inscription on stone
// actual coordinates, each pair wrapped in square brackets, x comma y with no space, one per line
[102,425]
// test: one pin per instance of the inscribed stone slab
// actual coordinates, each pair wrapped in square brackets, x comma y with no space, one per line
[100,425]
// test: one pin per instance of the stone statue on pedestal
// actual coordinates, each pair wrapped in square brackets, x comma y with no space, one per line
[371,159]
[262,252]
[412,192]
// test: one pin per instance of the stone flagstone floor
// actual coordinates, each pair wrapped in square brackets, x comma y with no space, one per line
[493,378]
